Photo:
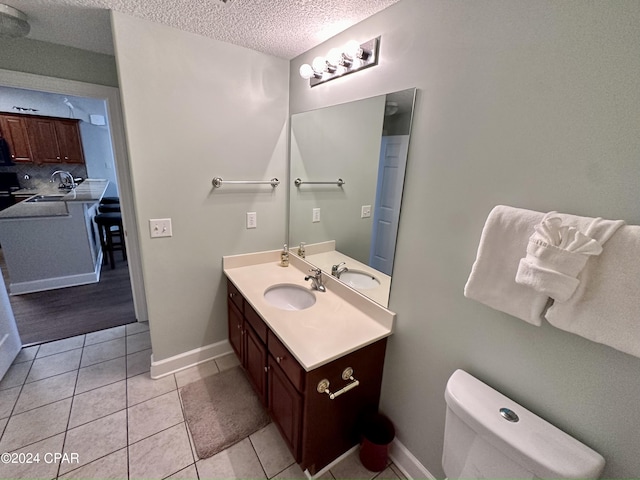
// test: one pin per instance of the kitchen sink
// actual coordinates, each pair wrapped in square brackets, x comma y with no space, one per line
[289,297]
[45,198]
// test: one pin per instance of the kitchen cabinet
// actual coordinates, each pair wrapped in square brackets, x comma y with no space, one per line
[14,129]
[316,428]
[55,140]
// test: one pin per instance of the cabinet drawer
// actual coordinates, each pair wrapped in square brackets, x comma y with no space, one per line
[290,366]
[256,322]
[234,296]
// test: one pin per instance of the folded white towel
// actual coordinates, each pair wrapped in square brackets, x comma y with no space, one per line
[606,306]
[492,280]
[556,254]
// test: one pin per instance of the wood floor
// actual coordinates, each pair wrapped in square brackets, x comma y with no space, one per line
[67,312]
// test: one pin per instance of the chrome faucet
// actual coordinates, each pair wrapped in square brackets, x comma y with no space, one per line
[338,269]
[316,280]
[70,183]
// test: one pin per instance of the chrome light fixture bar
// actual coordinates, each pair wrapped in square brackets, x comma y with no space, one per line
[339,62]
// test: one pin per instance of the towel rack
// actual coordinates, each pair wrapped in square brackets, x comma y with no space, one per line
[339,182]
[218,181]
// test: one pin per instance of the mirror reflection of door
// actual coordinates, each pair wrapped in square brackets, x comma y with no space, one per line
[393,162]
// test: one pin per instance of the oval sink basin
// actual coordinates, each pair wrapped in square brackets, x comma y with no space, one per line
[359,279]
[289,297]
[45,198]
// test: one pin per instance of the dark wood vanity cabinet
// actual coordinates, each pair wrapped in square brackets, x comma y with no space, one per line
[316,428]
[14,130]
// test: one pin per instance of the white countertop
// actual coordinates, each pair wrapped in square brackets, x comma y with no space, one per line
[341,321]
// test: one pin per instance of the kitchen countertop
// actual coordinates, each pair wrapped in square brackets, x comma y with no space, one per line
[89,191]
[341,321]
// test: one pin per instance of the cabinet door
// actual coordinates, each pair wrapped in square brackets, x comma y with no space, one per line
[256,362]
[235,330]
[14,130]
[285,405]
[69,142]
[43,139]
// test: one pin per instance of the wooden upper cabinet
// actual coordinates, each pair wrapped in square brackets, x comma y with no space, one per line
[55,140]
[42,139]
[14,130]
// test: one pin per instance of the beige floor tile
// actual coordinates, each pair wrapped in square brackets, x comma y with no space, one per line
[15,376]
[271,450]
[153,416]
[198,372]
[96,439]
[237,461]
[101,352]
[101,374]
[105,335]
[189,473]
[294,472]
[27,354]
[98,403]
[48,390]
[227,361]
[139,362]
[42,462]
[35,425]
[390,473]
[3,422]
[160,455]
[137,327]
[112,467]
[8,400]
[138,341]
[142,387]
[351,467]
[54,365]
[60,346]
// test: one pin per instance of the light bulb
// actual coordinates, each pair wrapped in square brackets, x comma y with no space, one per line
[334,57]
[319,64]
[306,71]
[351,49]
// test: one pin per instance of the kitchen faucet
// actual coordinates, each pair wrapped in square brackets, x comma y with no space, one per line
[316,280]
[64,174]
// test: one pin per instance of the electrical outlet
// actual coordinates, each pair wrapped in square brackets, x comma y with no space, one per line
[160,227]
[316,215]
[366,211]
[252,220]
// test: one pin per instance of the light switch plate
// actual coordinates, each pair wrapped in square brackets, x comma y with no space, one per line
[160,227]
[366,211]
[316,215]
[252,220]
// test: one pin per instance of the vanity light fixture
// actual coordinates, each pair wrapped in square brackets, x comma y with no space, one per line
[338,62]
[13,23]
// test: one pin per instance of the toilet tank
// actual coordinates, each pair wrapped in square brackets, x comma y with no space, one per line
[487,435]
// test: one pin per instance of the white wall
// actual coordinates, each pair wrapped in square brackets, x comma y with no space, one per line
[194,109]
[530,104]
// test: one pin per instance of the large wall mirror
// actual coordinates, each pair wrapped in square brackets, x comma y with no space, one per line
[347,173]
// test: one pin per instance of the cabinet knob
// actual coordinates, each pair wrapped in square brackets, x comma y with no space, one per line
[57,158]
[66,158]
[279,359]
[231,295]
[266,369]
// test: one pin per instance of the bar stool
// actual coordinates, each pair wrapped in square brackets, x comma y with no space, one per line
[111,234]
[108,200]
[109,204]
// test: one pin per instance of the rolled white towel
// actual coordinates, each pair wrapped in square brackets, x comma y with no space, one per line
[556,254]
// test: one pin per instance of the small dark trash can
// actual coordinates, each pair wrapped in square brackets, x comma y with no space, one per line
[377,434]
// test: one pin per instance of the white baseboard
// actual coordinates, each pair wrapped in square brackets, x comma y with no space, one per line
[162,368]
[408,464]
[53,283]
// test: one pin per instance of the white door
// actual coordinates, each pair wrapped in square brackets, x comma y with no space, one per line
[386,213]
[10,343]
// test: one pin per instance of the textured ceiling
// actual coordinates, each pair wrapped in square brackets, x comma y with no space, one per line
[283,28]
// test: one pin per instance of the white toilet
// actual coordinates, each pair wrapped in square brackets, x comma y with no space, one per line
[487,435]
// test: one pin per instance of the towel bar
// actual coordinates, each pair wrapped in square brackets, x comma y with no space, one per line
[347,374]
[299,181]
[218,181]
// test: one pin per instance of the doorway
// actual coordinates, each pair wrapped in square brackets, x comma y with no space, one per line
[128,274]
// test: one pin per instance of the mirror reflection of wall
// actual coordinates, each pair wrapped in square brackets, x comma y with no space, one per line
[365,143]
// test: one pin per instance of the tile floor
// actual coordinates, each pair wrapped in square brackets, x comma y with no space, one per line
[90,399]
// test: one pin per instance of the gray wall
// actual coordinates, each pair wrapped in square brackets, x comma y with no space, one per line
[48,59]
[195,109]
[529,104]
